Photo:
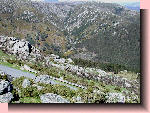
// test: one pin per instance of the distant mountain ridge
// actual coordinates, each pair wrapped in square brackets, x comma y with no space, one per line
[132,6]
[94,31]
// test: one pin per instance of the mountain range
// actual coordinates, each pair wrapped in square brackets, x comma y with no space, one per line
[99,32]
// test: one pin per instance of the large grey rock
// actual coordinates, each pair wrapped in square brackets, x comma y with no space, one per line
[26,83]
[115,98]
[6,98]
[43,79]
[4,86]
[20,47]
[52,98]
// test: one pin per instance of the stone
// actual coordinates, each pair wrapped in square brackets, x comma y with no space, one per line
[6,98]
[4,86]
[52,98]
[101,72]
[69,60]
[43,79]
[3,39]
[125,71]
[26,83]
[54,56]
[38,87]
[61,60]
[127,85]
[115,98]
[2,73]
[77,99]
[20,47]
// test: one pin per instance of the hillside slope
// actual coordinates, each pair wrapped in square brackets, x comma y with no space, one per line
[102,32]
[27,76]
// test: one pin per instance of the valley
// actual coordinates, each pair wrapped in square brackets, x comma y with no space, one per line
[69,52]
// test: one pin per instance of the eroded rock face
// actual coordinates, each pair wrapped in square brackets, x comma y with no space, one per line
[21,48]
[6,98]
[52,98]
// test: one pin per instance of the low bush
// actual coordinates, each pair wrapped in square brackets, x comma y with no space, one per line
[18,82]
[29,92]
[4,77]
[109,67]
[14,61]
[58,89]
[11,61]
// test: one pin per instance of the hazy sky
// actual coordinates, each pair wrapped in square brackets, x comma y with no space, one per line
[111,1]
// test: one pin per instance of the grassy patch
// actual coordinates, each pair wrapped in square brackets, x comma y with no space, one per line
[30,100]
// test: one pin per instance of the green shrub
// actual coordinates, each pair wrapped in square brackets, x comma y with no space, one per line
[29,92]
[57,89]
[14,61]
[11,61]
[25,92]
[118,88]
[4,77]
[18,82]
[15,95]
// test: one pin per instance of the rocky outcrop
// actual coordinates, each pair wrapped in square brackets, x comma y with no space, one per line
[21,48]
[92,73]
[4,86]
[52,98]
[42,79]
[5,89]
[6,98]
[115,98]
[67,64]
